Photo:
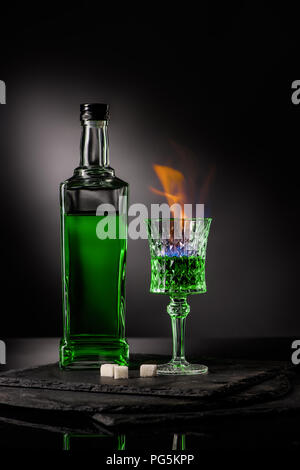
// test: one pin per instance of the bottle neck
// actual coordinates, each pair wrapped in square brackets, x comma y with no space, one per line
[94,153]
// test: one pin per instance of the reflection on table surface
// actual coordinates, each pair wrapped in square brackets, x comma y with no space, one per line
[112,443]
[264,432]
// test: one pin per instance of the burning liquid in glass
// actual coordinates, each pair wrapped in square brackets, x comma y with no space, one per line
[178,251]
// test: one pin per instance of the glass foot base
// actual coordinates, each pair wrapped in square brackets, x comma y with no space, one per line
[181,368]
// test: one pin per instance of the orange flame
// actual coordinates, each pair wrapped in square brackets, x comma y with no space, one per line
[173,184]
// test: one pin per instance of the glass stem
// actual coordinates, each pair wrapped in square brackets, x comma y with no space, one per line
[178,309]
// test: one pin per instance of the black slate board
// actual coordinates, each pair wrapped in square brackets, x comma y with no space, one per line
[50,399]
[223,379]
[263,398]
[112,403]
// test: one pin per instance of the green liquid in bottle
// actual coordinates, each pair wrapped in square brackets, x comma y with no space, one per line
[94,293]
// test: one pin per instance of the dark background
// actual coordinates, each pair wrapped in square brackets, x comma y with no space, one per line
[195,90]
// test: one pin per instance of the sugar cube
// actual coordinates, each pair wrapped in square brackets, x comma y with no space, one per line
[148,370]
[121,372]
[107,370]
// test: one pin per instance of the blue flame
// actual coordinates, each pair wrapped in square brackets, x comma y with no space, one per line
[177,250]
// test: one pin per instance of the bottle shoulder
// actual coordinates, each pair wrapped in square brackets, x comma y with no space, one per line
[93,182]
[80,195]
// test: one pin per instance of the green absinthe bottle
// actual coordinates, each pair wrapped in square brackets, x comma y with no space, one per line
[94,244]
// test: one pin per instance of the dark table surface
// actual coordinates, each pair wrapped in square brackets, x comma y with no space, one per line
[265,430]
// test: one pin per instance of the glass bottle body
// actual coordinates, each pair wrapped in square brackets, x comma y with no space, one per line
[93,267]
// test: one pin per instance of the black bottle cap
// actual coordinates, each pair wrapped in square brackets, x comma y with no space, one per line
[94,112]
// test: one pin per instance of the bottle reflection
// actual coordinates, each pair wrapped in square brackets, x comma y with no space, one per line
[111,442]
[94,441]
[178,442]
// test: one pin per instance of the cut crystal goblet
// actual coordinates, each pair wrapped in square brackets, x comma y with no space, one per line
[178,252]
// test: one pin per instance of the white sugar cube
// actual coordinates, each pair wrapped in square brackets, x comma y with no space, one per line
[148,370]
[107,370]
[121,372]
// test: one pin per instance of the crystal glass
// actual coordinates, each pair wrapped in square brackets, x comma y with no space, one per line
[178,252]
